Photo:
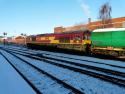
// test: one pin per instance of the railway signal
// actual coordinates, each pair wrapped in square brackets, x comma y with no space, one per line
[4,40]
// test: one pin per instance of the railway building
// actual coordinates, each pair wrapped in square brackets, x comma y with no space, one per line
[92,25]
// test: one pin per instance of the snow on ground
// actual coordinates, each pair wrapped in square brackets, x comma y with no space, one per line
[87,84]
[88,63]
[91,63]
[112,62]
[10,81]
[42,82]
[102,63]
[83,82]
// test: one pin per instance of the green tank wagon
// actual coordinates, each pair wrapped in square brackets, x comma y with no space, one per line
[108,41]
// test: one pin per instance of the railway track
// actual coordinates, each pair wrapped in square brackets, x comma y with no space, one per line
[111,79]
[34,76]
[21,74]
[50,55]
[108,71]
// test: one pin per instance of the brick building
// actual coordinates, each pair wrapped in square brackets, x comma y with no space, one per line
[114,23]
[19,40]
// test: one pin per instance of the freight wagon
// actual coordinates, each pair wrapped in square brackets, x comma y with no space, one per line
[110,41]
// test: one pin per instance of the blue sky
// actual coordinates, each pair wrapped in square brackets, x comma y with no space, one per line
[41,16]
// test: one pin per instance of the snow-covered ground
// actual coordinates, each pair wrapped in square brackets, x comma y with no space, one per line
[10,81]
[62,55]
[85,83]
[86,63]
[106,64]
[101,63]
[78,80]
[43,83]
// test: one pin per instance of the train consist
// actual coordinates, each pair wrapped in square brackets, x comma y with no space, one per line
[109,41]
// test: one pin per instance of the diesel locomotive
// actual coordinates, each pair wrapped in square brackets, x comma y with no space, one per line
[74,40]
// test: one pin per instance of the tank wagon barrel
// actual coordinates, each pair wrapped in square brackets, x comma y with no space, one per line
[110,41]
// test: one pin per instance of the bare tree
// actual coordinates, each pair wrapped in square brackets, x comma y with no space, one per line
[105,14]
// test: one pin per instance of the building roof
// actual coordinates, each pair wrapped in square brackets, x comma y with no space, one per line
[109,29]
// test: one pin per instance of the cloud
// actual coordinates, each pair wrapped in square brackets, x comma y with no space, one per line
[85,7]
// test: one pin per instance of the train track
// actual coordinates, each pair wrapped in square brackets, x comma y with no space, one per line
[108,71]
[111,79]
[21,74]
[63,56]
[29,78]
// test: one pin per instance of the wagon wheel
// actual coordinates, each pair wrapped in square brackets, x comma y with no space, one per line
[88,49]
[114,53]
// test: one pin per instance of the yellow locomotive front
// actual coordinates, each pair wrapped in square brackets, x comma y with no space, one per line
[76,40]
